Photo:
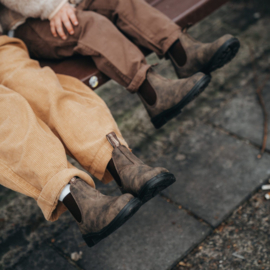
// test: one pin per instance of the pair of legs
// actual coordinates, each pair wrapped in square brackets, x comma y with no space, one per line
[104,26]
[45,116]
[109,31]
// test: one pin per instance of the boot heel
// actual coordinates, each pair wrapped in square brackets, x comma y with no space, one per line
[89,241]
[155,186]
[161,119]
[224,55]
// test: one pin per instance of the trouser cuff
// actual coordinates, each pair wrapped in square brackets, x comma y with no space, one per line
[170,40]
[48,198]
[139,78]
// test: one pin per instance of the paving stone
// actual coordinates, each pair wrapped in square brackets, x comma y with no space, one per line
[155,238]
[243,115]
[23,229]
[215,172]
[45,258]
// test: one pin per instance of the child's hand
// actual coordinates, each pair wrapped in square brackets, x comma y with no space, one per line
[64,16]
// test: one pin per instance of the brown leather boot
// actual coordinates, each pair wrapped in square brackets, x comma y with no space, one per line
[137,178]
[204,57]
[101,215]
[172,95]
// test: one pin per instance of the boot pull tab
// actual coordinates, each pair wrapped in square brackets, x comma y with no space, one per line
[113,140]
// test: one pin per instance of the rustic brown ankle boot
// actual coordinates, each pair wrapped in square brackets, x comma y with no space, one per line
[172,95]
[204,57]
[101,215]
[137,178]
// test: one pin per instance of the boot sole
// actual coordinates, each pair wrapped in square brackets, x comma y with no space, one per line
[155,185]
[162,118]
[223,55]
[125,214]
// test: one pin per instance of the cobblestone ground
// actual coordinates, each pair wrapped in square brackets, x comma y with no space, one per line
[214,216]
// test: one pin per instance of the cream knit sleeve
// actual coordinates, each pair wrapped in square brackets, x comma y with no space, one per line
[43,9]
[57,9]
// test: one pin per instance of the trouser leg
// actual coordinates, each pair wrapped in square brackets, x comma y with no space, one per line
[112,52]
[77,115]
[95,36]
[144,24]
[32,159]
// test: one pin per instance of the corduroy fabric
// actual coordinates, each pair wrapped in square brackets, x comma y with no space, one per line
[43,117]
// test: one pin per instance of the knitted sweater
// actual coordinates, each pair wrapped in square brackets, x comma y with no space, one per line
[15,12]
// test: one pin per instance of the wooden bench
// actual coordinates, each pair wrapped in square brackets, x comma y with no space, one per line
[182,12]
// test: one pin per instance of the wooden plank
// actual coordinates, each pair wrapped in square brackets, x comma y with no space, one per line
[192,11]
[80,67]
[182,12]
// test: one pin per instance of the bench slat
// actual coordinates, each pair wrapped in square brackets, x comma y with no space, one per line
[181,12]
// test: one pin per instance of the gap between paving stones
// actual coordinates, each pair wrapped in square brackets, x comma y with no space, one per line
[214,228]
[172,267]
[189,212]
[250,126]
[200,219]
[240,138]
[65,256]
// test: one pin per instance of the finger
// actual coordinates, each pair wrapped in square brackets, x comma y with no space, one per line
[59,28]
[73,16]
[67,24]
[53,30]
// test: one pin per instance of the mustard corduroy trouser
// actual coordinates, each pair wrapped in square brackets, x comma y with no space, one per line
[43,117]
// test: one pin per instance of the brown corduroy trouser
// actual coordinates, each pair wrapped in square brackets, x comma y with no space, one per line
[99,35]
[43,117]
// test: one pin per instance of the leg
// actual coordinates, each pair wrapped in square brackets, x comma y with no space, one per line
[95,36]
[33,162]
[143,24]
[78,116]
[32,159]
[148,27]
[80,121]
